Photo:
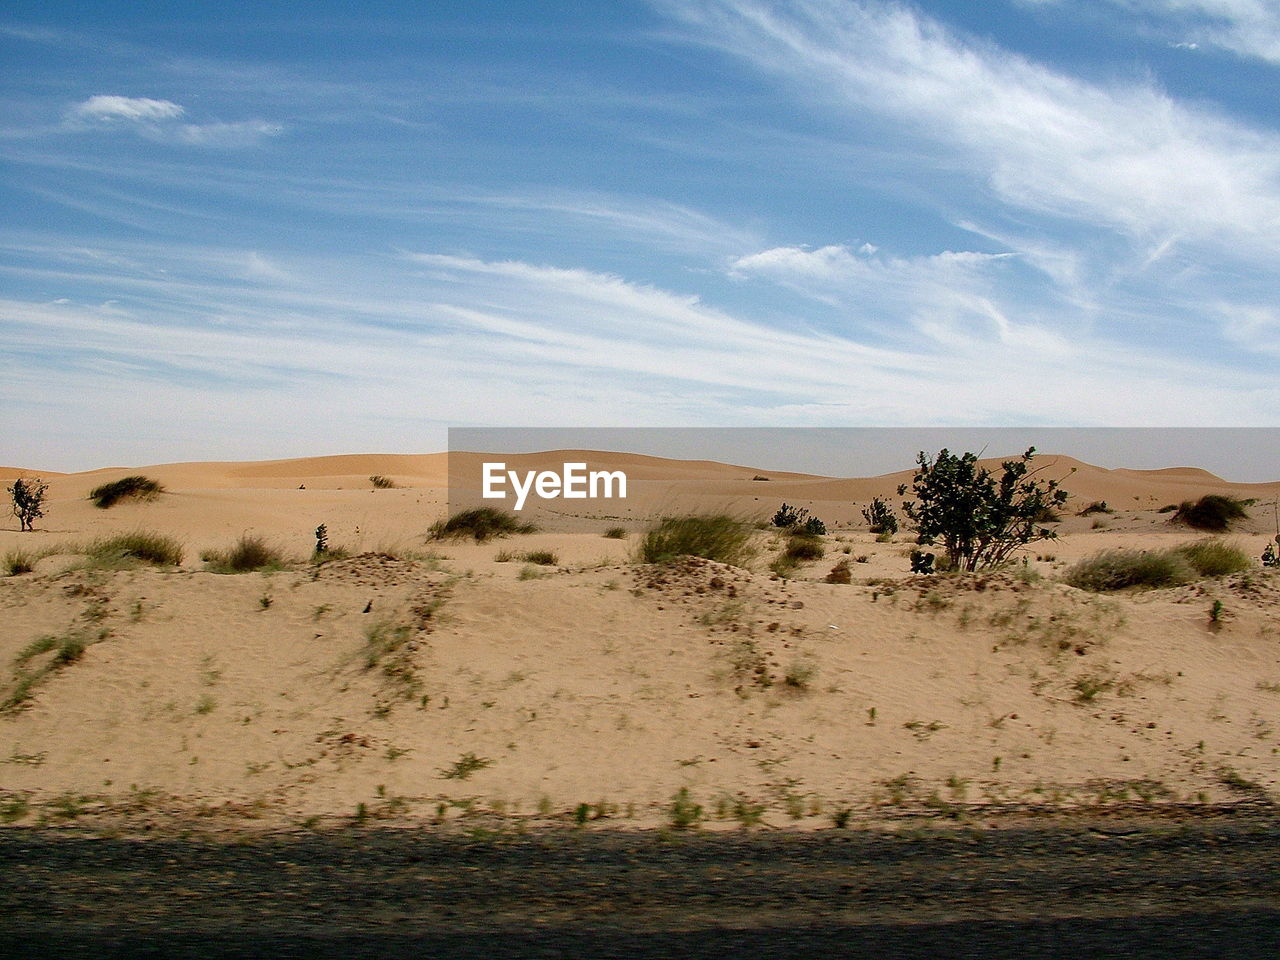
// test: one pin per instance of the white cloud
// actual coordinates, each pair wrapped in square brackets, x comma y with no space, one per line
[110,109]
[1124,156]
[159,120]
[1248,28]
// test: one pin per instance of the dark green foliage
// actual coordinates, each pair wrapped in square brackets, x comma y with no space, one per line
[880,517]
[978,519]
[28,500]
[481,524]
[139,546]
[1215,512]
[814,527]
[715,536]
[136,488]
[790,518]
[249,553]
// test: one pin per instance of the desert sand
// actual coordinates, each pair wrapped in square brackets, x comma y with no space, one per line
[598,688]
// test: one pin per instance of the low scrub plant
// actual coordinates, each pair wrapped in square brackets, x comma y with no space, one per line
[713,536]
[139,546]
[543,558]
[479,524]
[1121,568]
[1214,557]
[251,552]
[382,483]
[616,533]
[1213,512]
[126,488]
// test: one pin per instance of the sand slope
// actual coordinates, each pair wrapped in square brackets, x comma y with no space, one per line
[440,680]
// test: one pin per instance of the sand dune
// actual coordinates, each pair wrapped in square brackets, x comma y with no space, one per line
[443,680]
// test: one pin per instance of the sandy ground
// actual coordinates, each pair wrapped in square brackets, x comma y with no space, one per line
[597,688]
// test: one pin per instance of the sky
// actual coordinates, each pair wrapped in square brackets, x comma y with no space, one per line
[254,230]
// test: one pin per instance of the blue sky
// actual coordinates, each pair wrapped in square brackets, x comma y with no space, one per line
[250,230]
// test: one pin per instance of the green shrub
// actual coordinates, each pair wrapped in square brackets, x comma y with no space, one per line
[251,552]
[1214,557]
[135,488]
[715,536]
[616,533]
[1214,512]
[1120,568]
[977,518]
[479,523]
[28,500]
[138,546]
[880,517]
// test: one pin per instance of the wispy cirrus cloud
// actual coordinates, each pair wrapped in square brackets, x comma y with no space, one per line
[1124,157]
[1247,28]
[106,108]
[161,120]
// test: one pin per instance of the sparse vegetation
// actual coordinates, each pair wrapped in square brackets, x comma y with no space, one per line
[465,766]
[1098,506]
[685,814]
[880,517]
[126,488]
[979,520]
[138,546]
[1121,568]
[382,483]
[62,650]
[21,561]
[713,536]
[28,500]
[543,558]
[251,552]
[616,533]
[480,524]
[1214,557]
[1213,512]
[840,573]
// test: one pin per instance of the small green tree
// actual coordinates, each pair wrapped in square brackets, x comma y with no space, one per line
[880,517]
[978,519]
[28,500]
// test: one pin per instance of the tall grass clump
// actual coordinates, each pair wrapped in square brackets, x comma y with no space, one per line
[126,488]
[480,524]
[251,552]
[713,536]
[1121,568]
[1214,557]
[21,561]
[139,546]
[1214,512]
